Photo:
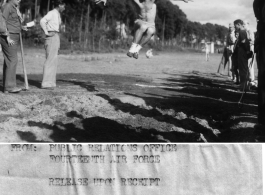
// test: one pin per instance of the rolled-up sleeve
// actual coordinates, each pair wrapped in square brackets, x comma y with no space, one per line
[44,21]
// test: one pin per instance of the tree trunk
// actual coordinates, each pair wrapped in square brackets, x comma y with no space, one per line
[87,26]
[36,8]
[163,31]
[30,14]
[95,25]
[102,24]
[80,26]
[48,6]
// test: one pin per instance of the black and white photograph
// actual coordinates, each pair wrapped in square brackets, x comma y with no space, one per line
[132,97]
[132,71]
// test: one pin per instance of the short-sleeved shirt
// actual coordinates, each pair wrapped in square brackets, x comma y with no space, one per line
[11,17]
[52,21]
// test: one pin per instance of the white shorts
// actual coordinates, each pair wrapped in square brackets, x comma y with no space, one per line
[146,24]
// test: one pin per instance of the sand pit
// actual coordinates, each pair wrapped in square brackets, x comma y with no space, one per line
[80,117]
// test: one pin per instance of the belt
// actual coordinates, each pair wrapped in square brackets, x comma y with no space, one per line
[53,32]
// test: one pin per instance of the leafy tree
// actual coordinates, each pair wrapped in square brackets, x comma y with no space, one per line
[87,22]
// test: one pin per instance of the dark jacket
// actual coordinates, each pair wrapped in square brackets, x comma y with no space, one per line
[10,15]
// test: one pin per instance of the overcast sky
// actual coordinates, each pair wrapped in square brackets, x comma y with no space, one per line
[220,12]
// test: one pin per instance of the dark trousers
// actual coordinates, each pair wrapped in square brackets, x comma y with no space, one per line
[261,82]
[235,66]
[10,61]
[243,66]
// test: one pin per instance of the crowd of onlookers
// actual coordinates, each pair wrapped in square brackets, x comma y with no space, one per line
[239,54]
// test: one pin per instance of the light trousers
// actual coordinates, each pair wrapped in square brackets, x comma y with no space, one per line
[52,45]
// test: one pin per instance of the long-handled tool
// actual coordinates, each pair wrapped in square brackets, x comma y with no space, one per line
[23,64]
[221,63]
[240,102]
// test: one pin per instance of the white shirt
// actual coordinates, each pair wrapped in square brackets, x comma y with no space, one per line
[207,47]
[52,21]
[251,35]
[231,40]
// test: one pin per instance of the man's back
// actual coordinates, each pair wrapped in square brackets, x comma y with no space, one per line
[51,21]
[243,39]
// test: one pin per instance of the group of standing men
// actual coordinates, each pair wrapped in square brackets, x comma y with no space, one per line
[241,49]
[240,53]
[10,39]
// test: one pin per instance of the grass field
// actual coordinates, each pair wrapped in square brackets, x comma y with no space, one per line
[172,97]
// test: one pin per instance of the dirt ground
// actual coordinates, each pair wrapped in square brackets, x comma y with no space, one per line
[172,97]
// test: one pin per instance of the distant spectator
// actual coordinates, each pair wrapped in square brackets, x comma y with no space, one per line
[207,50]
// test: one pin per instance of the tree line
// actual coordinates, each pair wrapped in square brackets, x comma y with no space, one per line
[91,25]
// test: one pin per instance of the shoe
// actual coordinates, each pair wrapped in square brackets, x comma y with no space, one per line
[48,88]
[11,91]
[136,55]
[14,90]
[129,54]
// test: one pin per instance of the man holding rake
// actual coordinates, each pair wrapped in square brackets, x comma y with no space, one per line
[10,42]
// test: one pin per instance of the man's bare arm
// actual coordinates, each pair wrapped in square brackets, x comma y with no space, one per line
[138,3]
[99,1]
[186,1]
[155,10]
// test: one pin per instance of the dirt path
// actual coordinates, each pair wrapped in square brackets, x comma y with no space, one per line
[173,97]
